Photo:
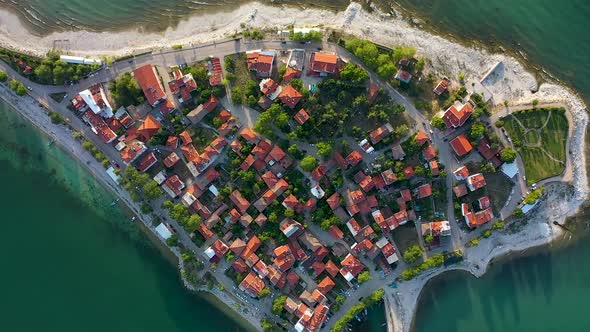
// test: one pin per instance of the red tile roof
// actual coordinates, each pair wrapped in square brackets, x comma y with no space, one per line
[171,160]
[324,62]
[302,116]
[252,284]
[485,148]
[104,132]
[249,135]
[147,161]
[318,173]
[433,167]
[268,87]
[352,265]
[239,200]
[240,266]
[484,202]
[290,97]
[476,181]
[290,74]
[461,145]
[331,268]
[429,153]
[455,118]
[425,190]
[441,86]
[334,201]
[261,62]
[172,142]
[421,137]
[148,128]
[292,278]
[211,103]
[327,284]
[238,246]
[406,195]
[354,158]
[460,190]
[149,83]
[409,172]
[335,232]
[462,172]
[186,138]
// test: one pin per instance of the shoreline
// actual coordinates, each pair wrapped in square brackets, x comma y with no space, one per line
[30,110]
[516,85]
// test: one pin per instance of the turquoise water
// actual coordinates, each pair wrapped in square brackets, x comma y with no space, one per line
[542,293]
[71,262]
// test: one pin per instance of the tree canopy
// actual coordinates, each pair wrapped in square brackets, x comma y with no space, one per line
[125,91]
[508,155]
[308,163]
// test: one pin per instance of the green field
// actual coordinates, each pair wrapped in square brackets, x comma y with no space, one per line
[540,136]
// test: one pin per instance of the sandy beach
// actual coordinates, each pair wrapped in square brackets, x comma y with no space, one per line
[511,82]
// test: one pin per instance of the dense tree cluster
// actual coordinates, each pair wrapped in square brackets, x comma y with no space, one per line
[125,91]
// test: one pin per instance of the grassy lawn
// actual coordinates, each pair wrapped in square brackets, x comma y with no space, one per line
[499,187]
[543,132]
[537,165]
[404,236]
[58,97]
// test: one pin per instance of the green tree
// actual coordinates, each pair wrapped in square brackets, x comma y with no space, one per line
[499,123]
[151,190]
[264,293]
[43,73]
[428,238]
[266,324]
[3,76]
[125,91]
[325,149]
[508,155]
[364,277]
[477,131]
[172,240]
[354,73]
[439,123]
[498,225]
[518,213]
[413,253]
[308,163]
[193,222]
[487,233]
[278,304]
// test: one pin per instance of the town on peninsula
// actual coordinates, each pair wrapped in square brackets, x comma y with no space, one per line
[303,172]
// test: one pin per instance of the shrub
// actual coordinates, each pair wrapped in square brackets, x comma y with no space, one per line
[487,233]
[498,225]
[177,47]
[413,253]
[473,242]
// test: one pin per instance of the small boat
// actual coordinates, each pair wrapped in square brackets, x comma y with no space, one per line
[51,142]
[133,219]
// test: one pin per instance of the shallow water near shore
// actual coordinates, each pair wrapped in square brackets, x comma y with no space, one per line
[73,262]
[43,17]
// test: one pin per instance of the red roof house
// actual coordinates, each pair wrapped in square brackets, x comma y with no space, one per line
[302,116]
[323,63]
[150,84]
[289,96]
[455,117]
[461,145]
